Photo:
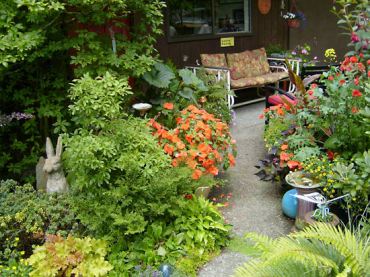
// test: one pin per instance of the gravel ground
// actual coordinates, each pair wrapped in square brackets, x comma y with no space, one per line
[255,205]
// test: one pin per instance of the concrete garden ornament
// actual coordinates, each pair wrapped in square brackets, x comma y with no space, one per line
[56,181]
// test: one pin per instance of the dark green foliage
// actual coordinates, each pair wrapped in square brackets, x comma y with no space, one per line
[44,44]
[26,216]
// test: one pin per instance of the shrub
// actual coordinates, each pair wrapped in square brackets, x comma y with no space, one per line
[69,257]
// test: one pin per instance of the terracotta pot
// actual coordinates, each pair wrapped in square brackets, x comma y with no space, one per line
[310,220]
[294,23]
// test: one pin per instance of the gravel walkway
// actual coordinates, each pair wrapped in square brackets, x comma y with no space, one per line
[255,205]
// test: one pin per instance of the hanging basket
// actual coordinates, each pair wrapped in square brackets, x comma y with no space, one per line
[294,23]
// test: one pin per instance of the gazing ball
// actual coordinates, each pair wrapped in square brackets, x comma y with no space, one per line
[166,270]
[290,203]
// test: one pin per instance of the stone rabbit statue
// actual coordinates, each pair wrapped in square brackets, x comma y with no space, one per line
[56,181]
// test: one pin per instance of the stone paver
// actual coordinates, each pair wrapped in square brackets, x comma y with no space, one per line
[255,205]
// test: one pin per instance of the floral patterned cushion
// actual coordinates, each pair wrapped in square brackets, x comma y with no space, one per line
[216,60]
[248,64]
[258,80]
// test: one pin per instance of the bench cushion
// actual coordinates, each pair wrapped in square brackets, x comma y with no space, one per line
[248,64]
[258,80]
[213,60]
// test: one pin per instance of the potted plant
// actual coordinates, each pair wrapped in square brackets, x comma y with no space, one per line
[321,214]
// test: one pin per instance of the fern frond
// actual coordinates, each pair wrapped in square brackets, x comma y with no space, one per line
[262,243]
[354,251]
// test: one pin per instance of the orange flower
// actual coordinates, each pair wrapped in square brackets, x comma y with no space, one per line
[207,116]
[294,164]
[261,116]
[185,126]
[168,106]
[355,110]
[220,126]
[280,112]
[191,163]
[180,145]
[285,156]
[213,170]
[231,159]
[197,174]
[204,148]
[189,138]
[284,147]
[168,149]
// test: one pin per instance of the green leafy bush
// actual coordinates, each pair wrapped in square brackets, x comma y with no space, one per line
[44,45]
[191,231]
[69,257]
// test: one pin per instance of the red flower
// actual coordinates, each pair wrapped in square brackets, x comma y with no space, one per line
[168,106]
[355,110]
[353,59]
[330,78]
[313,86]
[261,116]
[342,82]
[188,196]
[330,155]
[356,81]
[356,93]
[310,92]
[368,73]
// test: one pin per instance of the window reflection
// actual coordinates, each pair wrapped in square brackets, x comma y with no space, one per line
[190,17]
[232,16]
[196,17]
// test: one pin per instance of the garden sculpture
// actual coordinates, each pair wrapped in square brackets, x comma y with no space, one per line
[53,167]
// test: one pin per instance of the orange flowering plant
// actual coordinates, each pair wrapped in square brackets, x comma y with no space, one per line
[199,140]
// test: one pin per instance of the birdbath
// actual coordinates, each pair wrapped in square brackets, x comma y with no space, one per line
[142,107]
[301,181]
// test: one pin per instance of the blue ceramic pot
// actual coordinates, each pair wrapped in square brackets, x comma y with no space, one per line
[290,203]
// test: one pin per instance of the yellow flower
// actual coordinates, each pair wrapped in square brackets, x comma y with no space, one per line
[333,190]
[14,267]
[16,239]
[331,196]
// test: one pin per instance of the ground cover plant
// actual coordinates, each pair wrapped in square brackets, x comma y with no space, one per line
[326,133]
[128,207]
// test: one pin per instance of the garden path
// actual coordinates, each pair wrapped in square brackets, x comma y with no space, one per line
[255,205]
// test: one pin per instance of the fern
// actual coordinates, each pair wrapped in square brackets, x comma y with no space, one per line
[319,250]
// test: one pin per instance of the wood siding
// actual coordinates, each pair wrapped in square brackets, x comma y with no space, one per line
[266,29]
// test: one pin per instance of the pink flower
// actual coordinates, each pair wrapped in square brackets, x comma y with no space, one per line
[355,38]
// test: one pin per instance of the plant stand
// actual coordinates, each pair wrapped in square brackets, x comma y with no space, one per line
[304,207]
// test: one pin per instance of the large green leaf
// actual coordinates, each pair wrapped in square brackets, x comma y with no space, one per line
[160,76]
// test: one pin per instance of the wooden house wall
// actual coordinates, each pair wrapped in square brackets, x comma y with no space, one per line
[266,29]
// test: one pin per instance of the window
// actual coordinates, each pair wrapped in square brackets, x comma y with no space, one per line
[196,18]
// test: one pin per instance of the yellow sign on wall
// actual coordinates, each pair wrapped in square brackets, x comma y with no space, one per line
[227,42]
